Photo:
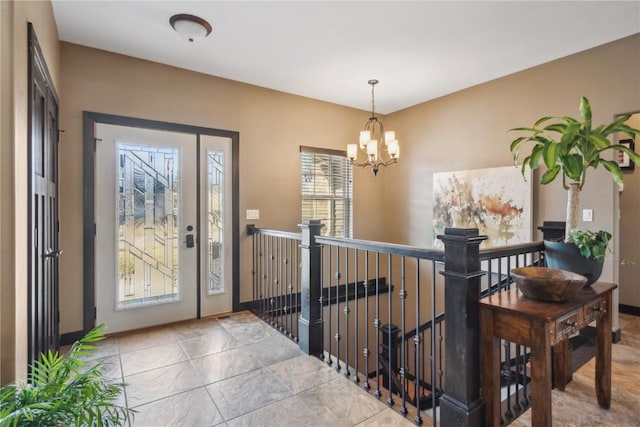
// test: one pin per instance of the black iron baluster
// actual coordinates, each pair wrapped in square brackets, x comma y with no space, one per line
[516,405]
[507,282]
[391,352]
[376,324]
[416,341]
[525,396]
[440,358]
[346,311]
[507,373]
[433,340]
[356,352]
[329,269]
[403,351]
[282,301]
[253,268]
[296,248]
[289,286]
[278,282]
[263,294]
[282,313]
[293,308]
[338,337]
[273,282]
[509,271]
[366,351]
[265,277]
[423,367]
[490,278]
[269,289]
[321,300]
[256,278]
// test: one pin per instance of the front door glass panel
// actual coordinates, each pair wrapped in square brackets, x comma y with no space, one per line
[215,221]
[148,195]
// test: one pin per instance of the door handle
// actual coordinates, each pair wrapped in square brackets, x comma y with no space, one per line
[53,254]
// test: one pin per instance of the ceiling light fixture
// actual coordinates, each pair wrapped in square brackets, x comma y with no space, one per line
[372,133]
[190,27]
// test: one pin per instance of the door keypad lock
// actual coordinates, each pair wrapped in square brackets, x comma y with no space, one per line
[189,241]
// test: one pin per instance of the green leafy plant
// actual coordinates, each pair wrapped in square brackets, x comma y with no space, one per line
[592,245]
[568,147]
[62,392]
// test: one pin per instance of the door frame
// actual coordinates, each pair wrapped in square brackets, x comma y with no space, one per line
[90,120]
[617,238]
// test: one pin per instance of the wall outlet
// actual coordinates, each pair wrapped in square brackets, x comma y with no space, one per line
[587,215]
[253,214]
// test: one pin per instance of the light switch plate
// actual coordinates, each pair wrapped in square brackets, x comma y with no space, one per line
[253,214]
[587,215]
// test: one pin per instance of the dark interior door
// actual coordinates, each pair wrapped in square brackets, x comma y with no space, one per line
[43,206]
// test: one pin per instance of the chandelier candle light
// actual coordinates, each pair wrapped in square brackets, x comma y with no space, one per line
[372,133]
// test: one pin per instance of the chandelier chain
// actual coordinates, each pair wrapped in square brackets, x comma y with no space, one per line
[373,102]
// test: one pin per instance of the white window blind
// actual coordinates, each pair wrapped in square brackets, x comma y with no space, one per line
[327,190]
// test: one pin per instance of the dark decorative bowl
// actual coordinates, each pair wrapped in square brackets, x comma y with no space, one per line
[547,284]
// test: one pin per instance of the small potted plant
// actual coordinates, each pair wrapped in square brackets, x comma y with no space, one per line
[568,148]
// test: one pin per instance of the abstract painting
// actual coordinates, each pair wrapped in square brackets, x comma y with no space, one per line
[496,201]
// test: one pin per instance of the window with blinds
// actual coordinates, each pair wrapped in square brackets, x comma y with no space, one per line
[327,190]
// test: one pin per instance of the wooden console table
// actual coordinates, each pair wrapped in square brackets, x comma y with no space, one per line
[540,325]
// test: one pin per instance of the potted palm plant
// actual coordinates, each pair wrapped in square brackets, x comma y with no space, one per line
[63,391]
[568,148]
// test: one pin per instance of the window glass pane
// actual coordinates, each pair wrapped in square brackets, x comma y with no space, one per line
[215,222]
[327,192]
[148,200]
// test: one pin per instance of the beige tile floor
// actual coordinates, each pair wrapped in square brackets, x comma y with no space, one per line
[233,371]
[238,371]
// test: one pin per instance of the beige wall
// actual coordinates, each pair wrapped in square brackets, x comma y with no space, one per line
[468,130]
[272,126]
[14,17]
[629,244]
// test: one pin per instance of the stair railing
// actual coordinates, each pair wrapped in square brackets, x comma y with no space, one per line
[354,338]
[340,299]
[276,278]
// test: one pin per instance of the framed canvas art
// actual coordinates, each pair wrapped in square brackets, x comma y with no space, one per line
[496,201]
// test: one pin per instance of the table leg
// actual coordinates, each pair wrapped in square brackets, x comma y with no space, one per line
[540,376]
[490,368]
[561,364]
[603,355]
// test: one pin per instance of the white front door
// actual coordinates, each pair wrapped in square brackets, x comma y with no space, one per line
[147,236]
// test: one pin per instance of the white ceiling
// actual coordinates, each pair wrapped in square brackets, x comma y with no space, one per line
[419,50]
